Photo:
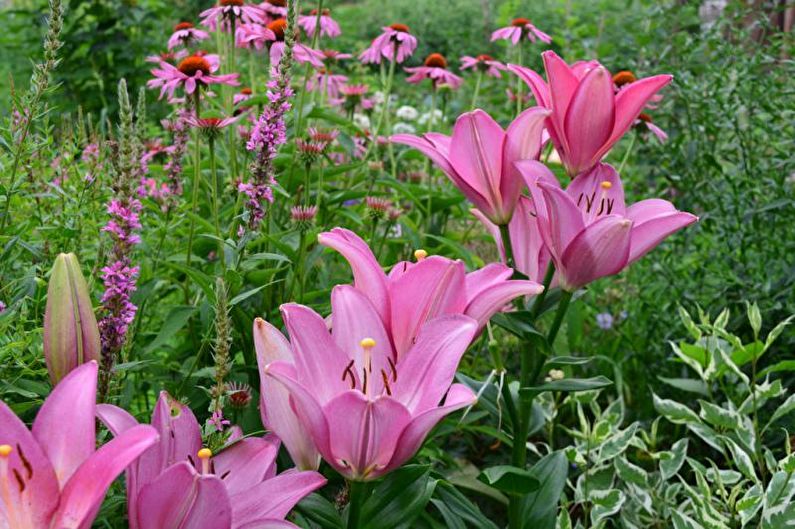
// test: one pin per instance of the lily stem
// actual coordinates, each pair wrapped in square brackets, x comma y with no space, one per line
[357,495]
[563,306]
[539,302]
[505,234]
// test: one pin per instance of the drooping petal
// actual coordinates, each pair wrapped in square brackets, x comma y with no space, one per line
[558,217]
[483,278]
[306,404]
[34,504]
[414,434]
[318,360]
[83,493]
[522,142]
[650,226]
[275,498]
[598,192]
[476,154]
[529,252]
[182,498]
[427,370]
[365,433]
[562,85]
[247,463]
[535,82]
[629,104]
[277,414]
[430,288]
[368,276]
[437,148]
[64,426]
[589,120]
[496,297]
[600,250]
[353,319]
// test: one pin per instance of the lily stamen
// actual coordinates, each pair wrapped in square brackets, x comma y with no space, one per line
[205,454]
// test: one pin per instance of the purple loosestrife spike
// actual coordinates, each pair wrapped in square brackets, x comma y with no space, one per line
[119,275]
[71,334]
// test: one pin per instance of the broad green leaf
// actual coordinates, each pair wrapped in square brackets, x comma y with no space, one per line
[671,462]
[399,499]
[511,480]
[319,510]
[687,384]
[749,504]
[452,504]
[629,472]
[606,504]
[741,459]
[560,361]
[675,412]
[175,321]
[540,507]
[571,384]
[718,417]
[618,443]
[778,509]
[787,407]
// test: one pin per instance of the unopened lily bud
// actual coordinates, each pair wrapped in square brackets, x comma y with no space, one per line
[71,334]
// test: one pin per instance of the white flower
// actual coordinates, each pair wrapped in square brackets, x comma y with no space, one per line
[437,117]
[378,97]
[403,128]
[361,121]
[407,113]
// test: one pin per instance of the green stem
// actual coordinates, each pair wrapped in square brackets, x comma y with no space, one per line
[626,154]
[539,302]
[519,81]
[563,306]
[476,93]
[307,183]
[214,189]
[358,495]
[385,106]
[505,235]
[301,267]
[196,176]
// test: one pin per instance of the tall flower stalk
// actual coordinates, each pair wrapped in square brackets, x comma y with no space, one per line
[119,274]
[223,342]
[270,130]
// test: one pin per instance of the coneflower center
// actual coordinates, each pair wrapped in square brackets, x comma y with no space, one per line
[624,77]
[183,25]
[278,3]
[324,13]
[436,60]
[246,91]
[520,22]
[403,28]
[483,57]
[227,3]
[278,26]
[190,66]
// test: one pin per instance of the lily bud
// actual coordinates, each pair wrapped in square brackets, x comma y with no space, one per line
[71,334]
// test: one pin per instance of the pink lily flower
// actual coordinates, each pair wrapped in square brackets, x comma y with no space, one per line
[395,43]
[191,73]
[367,409]
[520,27]
[328,26]
[479,157]
[483,63]
[231,10]
[186,34]
[51,476]
[588,229]
[435,69]
[177,483]
[588,116]
[415,293]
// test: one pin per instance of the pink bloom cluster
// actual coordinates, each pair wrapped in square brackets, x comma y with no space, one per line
[119,276]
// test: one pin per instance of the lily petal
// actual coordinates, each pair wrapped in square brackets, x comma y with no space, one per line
[32,506]
[414,434]
[430,288]
[589,119]
[558,217]
[180,497]
[535,82]
[247,463]
[368,276]
[365,433]
[427,370]
[275,498]
[562,85]
[522,142]
[496,297]
[647,234]
[277,414]
[600,250]
[83,493]
[598,192]
[65,425]
[317,358]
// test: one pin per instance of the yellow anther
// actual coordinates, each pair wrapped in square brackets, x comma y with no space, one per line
[606,185]
[5,450]
[367,343]
[420,254]
[205,453]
